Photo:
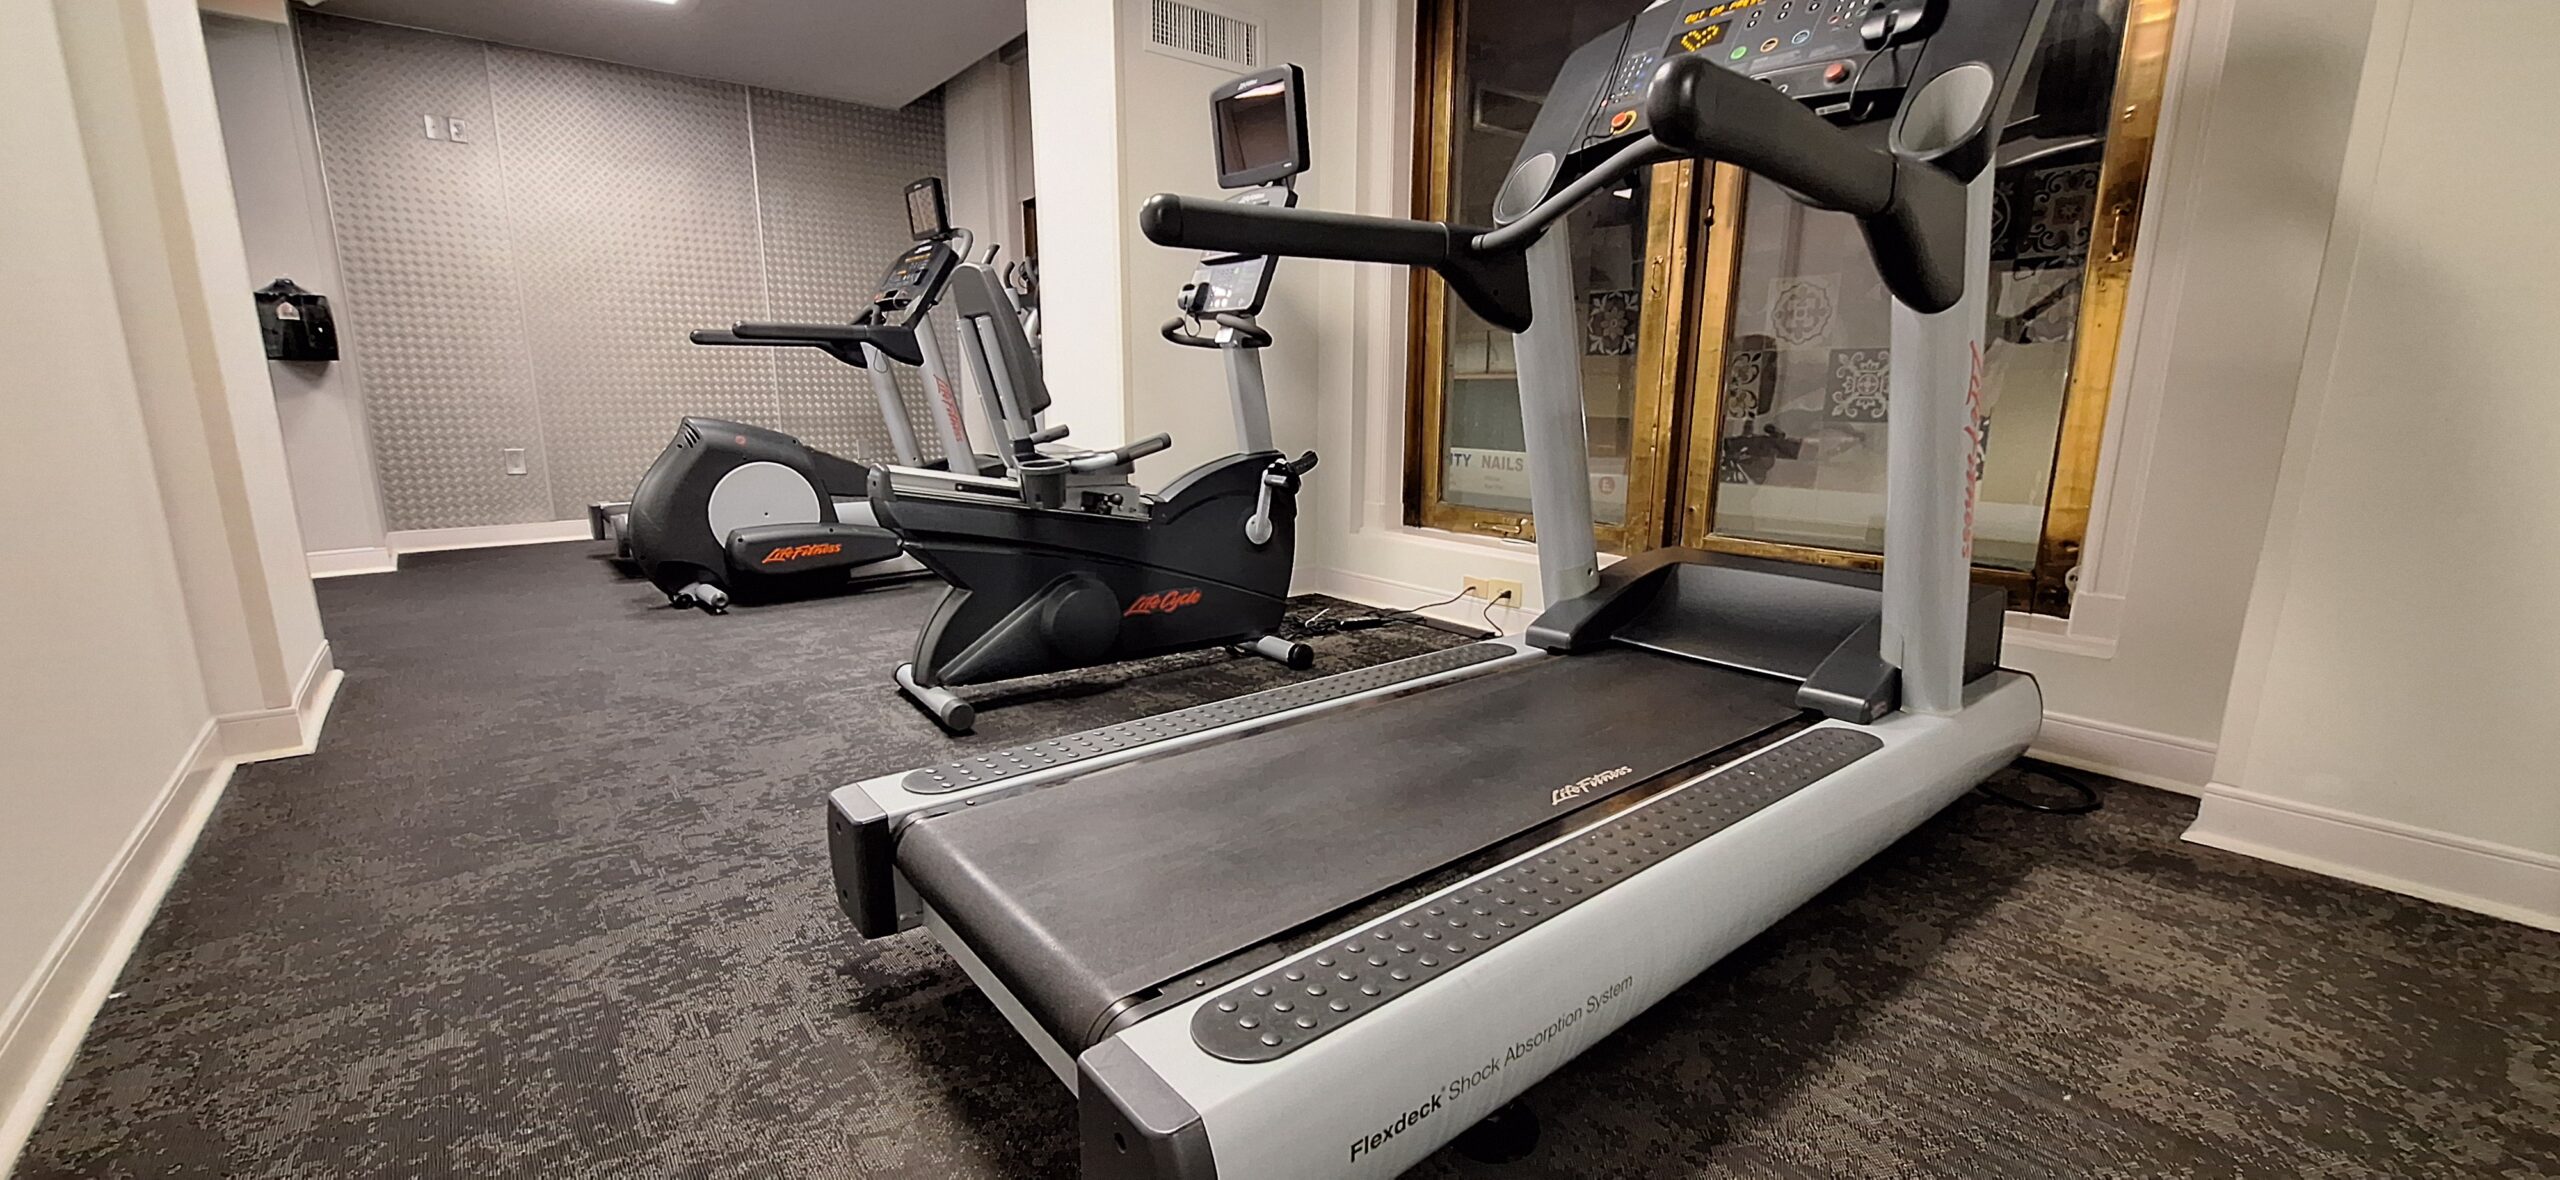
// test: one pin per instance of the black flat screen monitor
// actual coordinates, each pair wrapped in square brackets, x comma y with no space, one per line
[927,216]
[1260,124]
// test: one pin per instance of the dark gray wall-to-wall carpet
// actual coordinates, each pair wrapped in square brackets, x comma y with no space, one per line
[551,901]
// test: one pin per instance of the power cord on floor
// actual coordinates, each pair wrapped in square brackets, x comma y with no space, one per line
[2086,798]
[1319,624]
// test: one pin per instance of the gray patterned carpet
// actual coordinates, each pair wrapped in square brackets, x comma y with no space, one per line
[551,901]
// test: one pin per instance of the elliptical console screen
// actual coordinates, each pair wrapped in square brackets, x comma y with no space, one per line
[1260,124]
[926,216]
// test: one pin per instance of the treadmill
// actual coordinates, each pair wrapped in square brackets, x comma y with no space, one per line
[1319,931]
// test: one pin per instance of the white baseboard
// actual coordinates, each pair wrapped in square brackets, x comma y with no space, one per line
[38,1040]
[288,731]
[2162,760]
[340,563]
[1387,594]
[2503,882]
[489,536]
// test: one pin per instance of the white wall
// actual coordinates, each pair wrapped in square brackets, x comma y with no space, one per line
[986,130]
[154,148]
[172,629]
[1075,120]
[2400,640]
[284,222]
[2244,180]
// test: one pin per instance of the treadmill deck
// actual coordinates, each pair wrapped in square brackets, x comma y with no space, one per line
[1081,896]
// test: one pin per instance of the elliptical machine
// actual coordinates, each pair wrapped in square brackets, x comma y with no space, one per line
[730,508]
[1072,566]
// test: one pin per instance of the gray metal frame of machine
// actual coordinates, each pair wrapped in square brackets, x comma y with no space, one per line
[607,520]
[1405,1076]
[994,345]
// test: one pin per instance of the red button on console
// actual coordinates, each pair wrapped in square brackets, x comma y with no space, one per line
[1836,73]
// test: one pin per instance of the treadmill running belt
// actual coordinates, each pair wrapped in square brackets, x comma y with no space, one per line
[1080,896]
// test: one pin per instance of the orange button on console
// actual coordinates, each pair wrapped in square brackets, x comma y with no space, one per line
[1836,73]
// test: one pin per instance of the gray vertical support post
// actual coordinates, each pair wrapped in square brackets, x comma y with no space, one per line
[1252,400]
[1934,397]
[948,422]
[1551,418]
[893,409]
[973,351]
[1004,394]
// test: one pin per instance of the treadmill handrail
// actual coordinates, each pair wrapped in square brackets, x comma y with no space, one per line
[898,343]
[848,353]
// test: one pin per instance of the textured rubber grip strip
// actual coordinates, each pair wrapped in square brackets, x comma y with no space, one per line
[1111,739]
[1324,989]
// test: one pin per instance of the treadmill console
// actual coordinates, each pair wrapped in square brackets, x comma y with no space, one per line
[1830,54]
[914,281]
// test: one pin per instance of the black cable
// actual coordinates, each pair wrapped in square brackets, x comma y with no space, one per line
[1317,624]
[2071,781]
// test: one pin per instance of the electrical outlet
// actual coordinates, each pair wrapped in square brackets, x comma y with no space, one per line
[1495,590]
[515,460]
[457,130]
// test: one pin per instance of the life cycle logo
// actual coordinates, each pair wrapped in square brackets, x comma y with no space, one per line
[1162,602]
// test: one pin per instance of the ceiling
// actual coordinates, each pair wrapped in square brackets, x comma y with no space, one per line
[884,53]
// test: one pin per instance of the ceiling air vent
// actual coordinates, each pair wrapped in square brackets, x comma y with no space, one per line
[1193,33]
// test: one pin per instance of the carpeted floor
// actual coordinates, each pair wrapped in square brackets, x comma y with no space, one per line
[552,901]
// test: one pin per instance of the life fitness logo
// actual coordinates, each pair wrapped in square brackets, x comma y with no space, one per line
[1162,602]
[795,552]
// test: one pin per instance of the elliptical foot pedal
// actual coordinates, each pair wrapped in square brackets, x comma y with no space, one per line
[1110,739]
[948,709]
[1297,657]
[712,599]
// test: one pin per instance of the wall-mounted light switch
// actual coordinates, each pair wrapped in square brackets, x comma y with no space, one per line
[435,126]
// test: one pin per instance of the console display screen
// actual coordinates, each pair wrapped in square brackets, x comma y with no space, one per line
[1254,129]
[925,218]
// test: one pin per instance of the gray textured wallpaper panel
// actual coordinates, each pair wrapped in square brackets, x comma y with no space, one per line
[532,287]
[431,289]
[832,175]
[631,200]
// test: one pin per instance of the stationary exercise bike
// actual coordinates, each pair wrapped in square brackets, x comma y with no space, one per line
[729,508]
[1071,565]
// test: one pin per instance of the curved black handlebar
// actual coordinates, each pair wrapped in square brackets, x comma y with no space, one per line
[1248,333]
[850,354]
[899,344]
[1911,211]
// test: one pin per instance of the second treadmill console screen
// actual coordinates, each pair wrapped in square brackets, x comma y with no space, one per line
[926,217]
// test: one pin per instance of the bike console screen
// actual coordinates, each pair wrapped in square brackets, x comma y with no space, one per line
[1259,122]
